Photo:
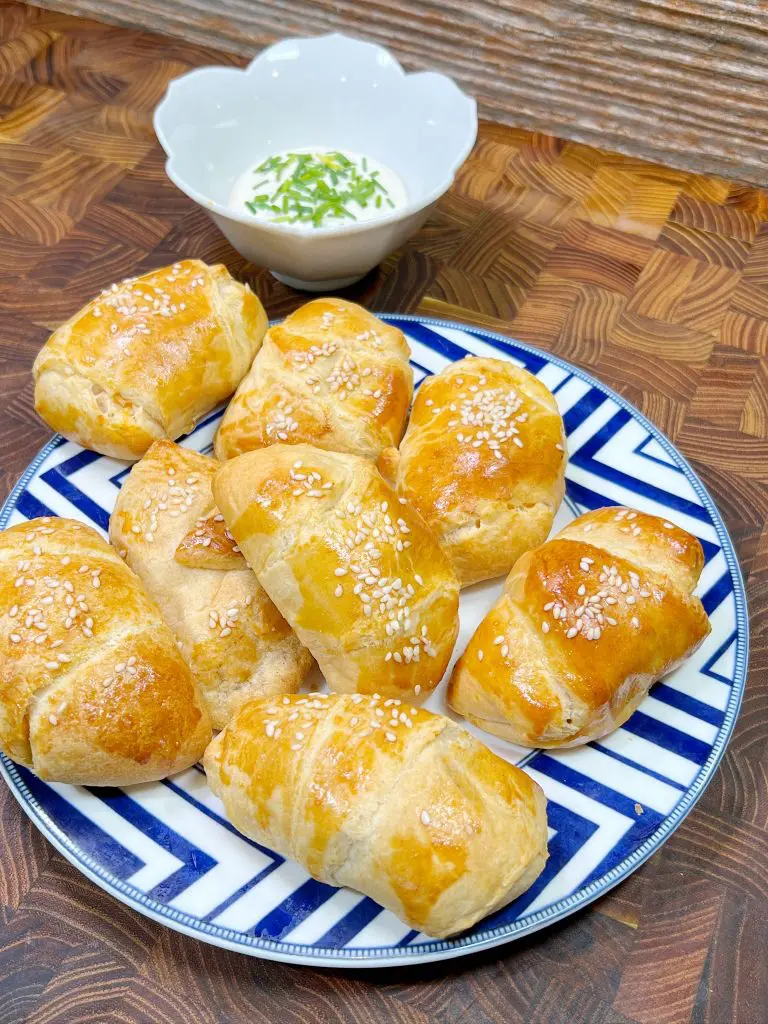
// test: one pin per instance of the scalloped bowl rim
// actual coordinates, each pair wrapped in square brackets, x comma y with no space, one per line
[222,210]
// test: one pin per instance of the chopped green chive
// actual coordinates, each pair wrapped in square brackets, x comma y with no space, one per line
[314,188]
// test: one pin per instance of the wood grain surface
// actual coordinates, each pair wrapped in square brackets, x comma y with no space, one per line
[679,81]
[656,281]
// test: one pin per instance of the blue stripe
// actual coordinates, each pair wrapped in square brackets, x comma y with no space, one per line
[639,450]
[532,361]
[571,832]
[222,821]
[246,887]
[690,705]
[30,507]
[431,339]
[588,499]
[641,829]
[584,497]
[584,408]
[407,939]
[293,910]
[672,740]
[424,371]
[584,458]
[638,767]
[566,380]
[707,667]
[717,593]
[118,478]
[76,497]
[195,863]
[277,860]
[352,924]
[79,461]
[549,766]
[88,837]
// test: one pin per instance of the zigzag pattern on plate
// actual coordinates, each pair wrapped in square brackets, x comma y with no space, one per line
[167,849]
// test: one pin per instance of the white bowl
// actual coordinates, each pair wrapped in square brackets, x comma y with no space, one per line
[329,92]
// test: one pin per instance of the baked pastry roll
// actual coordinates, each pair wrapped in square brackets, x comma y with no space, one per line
[483,460]
[332,375]
[234,639]
[586,624]
[93,689]
[148,358]
[404,805]
[357,573]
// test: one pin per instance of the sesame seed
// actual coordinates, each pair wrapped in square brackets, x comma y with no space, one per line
[480,655]
[545,627]
[340,571]
[390,736]
[338,591]
[425,819]
[417,691]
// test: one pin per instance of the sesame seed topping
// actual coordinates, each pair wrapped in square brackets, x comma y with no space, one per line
[425,819]
[480,654]
[589,618]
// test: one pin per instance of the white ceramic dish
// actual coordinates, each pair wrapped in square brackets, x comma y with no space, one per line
[329,92]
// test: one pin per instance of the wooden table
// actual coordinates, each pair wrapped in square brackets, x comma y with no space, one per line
[655,280]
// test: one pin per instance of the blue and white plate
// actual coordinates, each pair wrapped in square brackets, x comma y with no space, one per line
[167,850]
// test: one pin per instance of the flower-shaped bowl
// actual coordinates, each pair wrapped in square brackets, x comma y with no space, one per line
[327,92]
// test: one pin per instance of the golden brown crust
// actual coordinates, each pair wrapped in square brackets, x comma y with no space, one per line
[389,799]
[209,545]
[328,539]
[332,375]
[233,637]
[586,624]
[92,687]
[483,461]
[148,358]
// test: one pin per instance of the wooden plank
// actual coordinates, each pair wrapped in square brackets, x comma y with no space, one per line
[678,81]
